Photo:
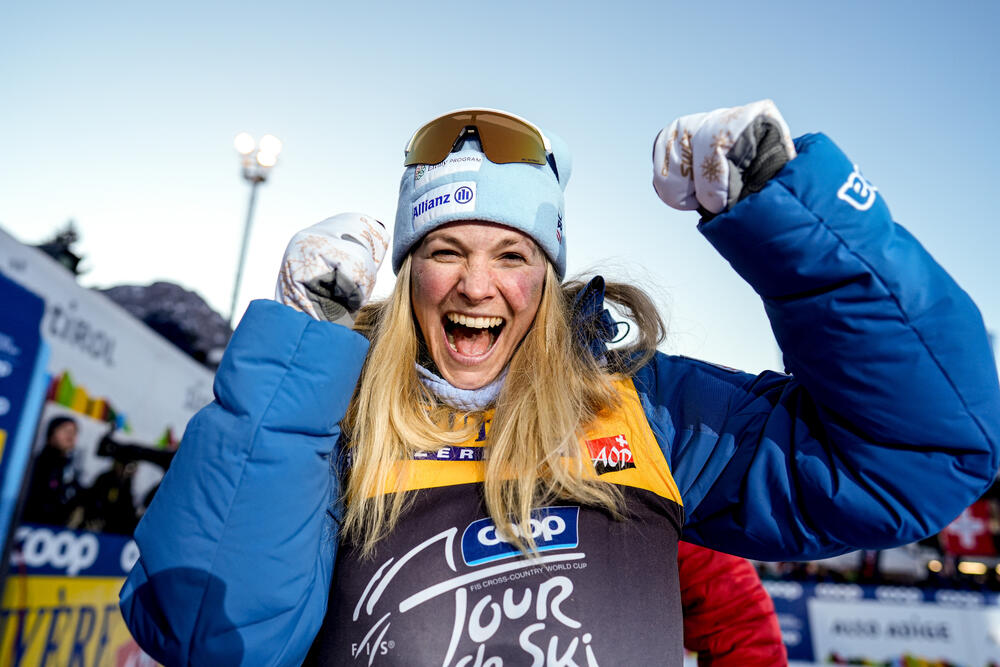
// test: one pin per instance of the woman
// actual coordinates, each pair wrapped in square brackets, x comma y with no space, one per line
[514,492]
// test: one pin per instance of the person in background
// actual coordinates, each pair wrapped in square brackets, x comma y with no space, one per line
[108,505]
[54,491]
[729,618]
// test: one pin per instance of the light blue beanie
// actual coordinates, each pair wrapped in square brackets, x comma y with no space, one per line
[467,186]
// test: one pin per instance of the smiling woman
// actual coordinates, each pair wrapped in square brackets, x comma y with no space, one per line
[475,475]
[475,289]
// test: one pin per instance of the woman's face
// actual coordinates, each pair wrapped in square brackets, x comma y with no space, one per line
[475,289]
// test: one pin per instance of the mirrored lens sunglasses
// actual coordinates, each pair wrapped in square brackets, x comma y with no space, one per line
[504,138]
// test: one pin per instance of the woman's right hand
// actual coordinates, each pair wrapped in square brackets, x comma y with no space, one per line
[329,269]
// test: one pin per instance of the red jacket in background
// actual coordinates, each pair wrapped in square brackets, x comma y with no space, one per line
[729,618]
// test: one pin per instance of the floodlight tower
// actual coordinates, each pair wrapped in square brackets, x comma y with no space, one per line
[257,160]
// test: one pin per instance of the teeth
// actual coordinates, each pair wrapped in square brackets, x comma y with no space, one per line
[475,322]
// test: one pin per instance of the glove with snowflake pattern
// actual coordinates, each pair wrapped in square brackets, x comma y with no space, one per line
[709,161]
[329,269]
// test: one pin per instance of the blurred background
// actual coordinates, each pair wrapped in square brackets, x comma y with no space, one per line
[122,118]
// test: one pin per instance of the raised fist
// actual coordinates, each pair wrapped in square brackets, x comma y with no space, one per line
[709,161]
[329,269]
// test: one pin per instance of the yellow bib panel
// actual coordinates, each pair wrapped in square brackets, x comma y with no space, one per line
[619,443]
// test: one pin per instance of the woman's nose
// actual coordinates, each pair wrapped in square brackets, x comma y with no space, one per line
[476,283]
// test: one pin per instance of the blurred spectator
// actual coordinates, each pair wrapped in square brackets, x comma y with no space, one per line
[54,492]
[108,504]
[729,619]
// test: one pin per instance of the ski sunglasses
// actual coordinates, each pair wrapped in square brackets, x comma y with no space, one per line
[504,138]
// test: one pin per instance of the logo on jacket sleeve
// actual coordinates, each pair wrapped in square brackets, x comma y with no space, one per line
[857,191]
[610,454]
[551,527]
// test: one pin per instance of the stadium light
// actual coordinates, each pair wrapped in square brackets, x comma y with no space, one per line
[257,159]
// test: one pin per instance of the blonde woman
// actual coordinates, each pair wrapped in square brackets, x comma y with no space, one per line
[473,478]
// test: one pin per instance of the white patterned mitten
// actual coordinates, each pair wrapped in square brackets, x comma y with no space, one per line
[709,161]
[329,269]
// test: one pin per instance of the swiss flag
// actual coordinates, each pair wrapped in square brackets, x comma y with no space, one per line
[970,533]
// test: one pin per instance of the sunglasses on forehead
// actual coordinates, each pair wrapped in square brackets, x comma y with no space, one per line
[504,138]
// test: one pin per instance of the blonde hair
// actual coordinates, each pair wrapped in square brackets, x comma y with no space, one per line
[554,388]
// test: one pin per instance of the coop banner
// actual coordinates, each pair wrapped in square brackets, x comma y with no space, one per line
[60,605]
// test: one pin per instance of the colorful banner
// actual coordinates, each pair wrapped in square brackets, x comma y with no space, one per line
[60,605]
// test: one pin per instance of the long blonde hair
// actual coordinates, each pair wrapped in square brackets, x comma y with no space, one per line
[554,388]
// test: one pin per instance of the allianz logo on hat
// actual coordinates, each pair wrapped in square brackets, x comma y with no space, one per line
[445,200]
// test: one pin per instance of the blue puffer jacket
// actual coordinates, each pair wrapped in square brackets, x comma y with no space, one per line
[887,427]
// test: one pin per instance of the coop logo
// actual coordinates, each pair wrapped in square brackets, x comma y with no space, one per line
[551,528]
[65,551]
[857,191]
[444,200]
[610,454]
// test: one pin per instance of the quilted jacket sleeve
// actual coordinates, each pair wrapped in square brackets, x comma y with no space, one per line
[889,422]
[729,618]
[237,548]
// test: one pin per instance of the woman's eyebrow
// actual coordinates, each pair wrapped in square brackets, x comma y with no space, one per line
[515,241]
[445,238]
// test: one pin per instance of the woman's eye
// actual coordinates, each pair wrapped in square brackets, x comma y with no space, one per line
[513,257]
[444,253]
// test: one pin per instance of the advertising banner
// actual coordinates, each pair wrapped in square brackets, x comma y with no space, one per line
[885,625]
[60,605]
[106,367]
[109,374]
[22,379]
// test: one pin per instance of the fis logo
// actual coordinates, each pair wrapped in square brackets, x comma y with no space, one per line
[857,191]
[610,454]
[551,528]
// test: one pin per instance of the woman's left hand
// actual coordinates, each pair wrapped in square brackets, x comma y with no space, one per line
[709,161]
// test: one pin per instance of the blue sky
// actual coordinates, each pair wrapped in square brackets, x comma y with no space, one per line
[122,116]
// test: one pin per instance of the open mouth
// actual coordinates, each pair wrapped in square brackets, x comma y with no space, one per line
[472,336]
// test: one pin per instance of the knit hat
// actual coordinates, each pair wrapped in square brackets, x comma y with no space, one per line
[467,186]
